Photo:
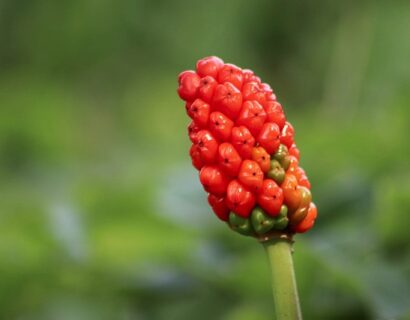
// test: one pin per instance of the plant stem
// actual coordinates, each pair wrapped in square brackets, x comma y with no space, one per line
[285,294]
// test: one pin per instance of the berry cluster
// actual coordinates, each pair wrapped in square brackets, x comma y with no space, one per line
[245,151]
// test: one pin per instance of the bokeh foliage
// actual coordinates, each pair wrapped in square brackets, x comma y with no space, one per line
[101,213]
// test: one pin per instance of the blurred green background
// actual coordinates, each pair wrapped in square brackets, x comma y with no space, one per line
[102,215]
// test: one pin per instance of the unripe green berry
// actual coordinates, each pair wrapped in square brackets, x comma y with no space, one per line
[281,153]
[283,211]
[239,224]
[285,163]
[276,172]
[281,223]
[261,222]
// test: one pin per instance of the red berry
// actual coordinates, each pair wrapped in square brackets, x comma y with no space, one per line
[213,180]
[207,146]
[271,97]
[220,126]
[183,74]
[251,175]
[275,113]
[267,89]
[269,137]
[301,177]
[188,85]
[243,141]
[206,88]
[270,197]
[308,222]
[260,155]
[298,172]
[287,135]
[252,91]
[248,75]
[193,129]
[231,73]
[199,112]
[294,151]
[209,66]
[219,206]
[239,199]
[252,116]
[196,157]
[304,182]
[228,99]
[229,159]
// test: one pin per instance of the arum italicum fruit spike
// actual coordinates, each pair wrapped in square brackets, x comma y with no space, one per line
[248,162]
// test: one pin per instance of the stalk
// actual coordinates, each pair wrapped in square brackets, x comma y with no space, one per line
[285,294]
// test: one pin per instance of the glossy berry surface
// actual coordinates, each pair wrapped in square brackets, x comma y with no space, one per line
[207,146]
[199,112]
[229,159]
[206,88]
[243,141]
[209,66]
[270,197]
[251,175]
[213,180]
[219,206]
[269,137]
[188,85]
[227,99]
[260,155]
[220,126]
[252,116]
[245,151]
[239,199]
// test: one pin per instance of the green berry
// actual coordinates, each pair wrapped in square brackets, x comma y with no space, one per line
[261,222]
[239,224]
[305,196]
[281,153]
[276,172]
[283,212]
[285,163]
[282,156]
[281,223]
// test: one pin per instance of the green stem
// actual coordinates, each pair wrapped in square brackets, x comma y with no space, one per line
[285,294]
